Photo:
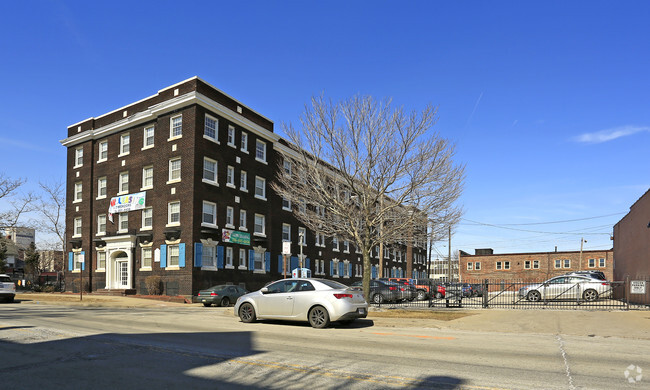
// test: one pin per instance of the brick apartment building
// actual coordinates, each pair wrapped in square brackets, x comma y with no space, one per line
[484,264]
[186,176]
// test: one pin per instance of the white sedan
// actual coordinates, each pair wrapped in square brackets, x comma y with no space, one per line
[318,301]
[567,287]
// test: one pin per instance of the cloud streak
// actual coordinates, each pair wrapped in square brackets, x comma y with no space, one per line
[610,134]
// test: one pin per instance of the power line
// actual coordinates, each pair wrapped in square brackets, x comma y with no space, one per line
[552,222]
[530,231]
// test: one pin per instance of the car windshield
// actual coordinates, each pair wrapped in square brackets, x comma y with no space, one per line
[5,279]
[333,284]
[219,287]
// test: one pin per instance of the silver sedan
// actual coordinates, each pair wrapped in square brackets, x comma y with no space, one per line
[318,301]
[567,287]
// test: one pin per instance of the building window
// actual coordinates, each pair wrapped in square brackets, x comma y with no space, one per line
[148,137]
[229,257]
[147,177]
[286,204]
[210,128]
[176,127]
[231,136]
[567,263]
[260,188]
[477,265]
[172,255]
[174,213]
[470,266]
[258,261]
[260,151]
[242,259]
[499,265]
[101,260]
[101,187]
[601,263]
[558,263]
[242,220]
[147,218]
[335,268]
[244,142]
[103,151]
[78,191]
[346,246]
[230,176]
[78,157]
[592,263]
[335,244]
[101,224]
[230,217]
[209,171]
[535,264]
[286,164]
[123,222]
[286,232]
[175,170]
[243,181]
[146,257]
[260,225]
[209,213]
[208,257]
[124,183]
[79,260]
[125,144]
[527,264]
[77,227]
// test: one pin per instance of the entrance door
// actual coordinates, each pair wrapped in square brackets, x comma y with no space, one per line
[123,274]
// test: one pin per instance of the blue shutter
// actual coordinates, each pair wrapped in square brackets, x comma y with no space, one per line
[70,261]
[198,254]
[341,265]
[307,265]
[220,256]
[331,268]
[251,260]
[181,255]
[163,256]
[280,264]
[83,263]
[374,272]
[294,262]
[267,261]
[350,269]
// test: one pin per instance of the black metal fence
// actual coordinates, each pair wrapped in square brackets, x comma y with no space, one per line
[602,295]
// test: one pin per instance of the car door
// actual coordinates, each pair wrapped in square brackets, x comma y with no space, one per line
[304,297]
[277,301]
[559,288]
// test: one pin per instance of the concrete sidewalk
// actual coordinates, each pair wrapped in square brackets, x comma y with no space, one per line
[633,324]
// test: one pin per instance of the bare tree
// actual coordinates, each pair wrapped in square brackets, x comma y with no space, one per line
[52,209]
[363,171]
[19,204]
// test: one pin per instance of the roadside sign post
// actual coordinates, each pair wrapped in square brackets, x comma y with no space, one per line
[286,251]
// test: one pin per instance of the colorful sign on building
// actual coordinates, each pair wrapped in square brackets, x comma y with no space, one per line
[235,237]
[130,202]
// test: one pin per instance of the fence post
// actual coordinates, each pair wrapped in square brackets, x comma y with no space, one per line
[627,292]
[485,293]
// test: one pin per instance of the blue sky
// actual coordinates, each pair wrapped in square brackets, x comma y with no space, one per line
[547,102]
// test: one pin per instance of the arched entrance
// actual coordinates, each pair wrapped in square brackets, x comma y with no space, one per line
[119,262]
[121,276]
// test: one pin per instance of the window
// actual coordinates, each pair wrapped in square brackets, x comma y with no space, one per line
[172,255]
[176,127]
[499,265]
[231,135]
[175,170]
[244,142]
[506,265]
[209,213]
[387,253]
[210,128]
[101,187]
[123,222]
[242,220]
[77,227]
[209,171]
[147,218]
[335,244]
[243,181]
[470,266]
[286,232]
[567,263]
[320,239]
[101,260]
[260,187]
[174,213]
[302,232]
[346,246]
[302,206]
[101,224]
[208,258]
[260,151]
[229,257]
[535,264]
[242,259]
[477,265]
[286,164]
[592,263]
[558,263]
[147,177]
[260,222]
[79,260]
[148,137]
[230,176]
[124,183]
[78,191]
[601,263]
[125,144]
[527,264]
[286,204]
[258,261]
[335,268]
[230,217]
[78,157]
[146,257]
[103,151]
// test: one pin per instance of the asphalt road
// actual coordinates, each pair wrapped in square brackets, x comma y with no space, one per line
[49,346]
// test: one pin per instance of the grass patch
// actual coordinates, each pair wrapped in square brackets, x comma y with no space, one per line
[421,314]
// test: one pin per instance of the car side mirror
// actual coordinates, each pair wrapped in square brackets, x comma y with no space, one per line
[264,290]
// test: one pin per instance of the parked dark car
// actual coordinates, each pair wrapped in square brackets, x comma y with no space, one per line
[408,290]
[477,289]
[381,291]
[221,295]
[433,288]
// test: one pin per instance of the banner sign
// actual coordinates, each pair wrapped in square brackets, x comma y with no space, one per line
[235,237]
[131,202]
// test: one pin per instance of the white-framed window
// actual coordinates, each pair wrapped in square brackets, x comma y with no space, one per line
[302,232]
[558,263]
[535,264]
[77,227]
[260,188]
[229,257]
[148,137]
[101,187]
[499,265]
[208,256]
[335,268]
[346,269]
[147,177]
[174,213]
[260,151]
[286,204]
[244,142]
[320,239]
[302,206]
[527,264]
[567,263]
[101,260]
[176,127]
[346,246]
[335,244]
[592,263]
[477,265]
[125,144]
[243,181]
[123,222]
[230,176]
[243,259]
[101,224]
[601,263]
[78,260]
[211,128]
[124,183]
[286,232]
[209,214]
[103,151]
[260,225]
[470,265]
[79,157]
[147,218]
[230,217]
[506,265]
[147,255]
[231,136]
[242,220]
[174,170]
[387,253]
[78,192]
[286,164]
[209,171]
[258,261]
[172,255]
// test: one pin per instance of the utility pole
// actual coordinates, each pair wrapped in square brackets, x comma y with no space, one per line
[449,258]
[582,241]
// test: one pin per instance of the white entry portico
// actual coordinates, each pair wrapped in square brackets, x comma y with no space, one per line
[119,262]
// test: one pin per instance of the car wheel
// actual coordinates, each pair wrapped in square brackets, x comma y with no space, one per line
[438,295]
[247,313]
[225,302]
[590,295]
[534,296]
[377,298]
[318,317]
[207,304]
[422,295]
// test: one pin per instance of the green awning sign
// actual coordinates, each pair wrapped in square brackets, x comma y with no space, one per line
[235,237]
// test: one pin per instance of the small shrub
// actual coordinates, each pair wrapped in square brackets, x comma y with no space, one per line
[154,285]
